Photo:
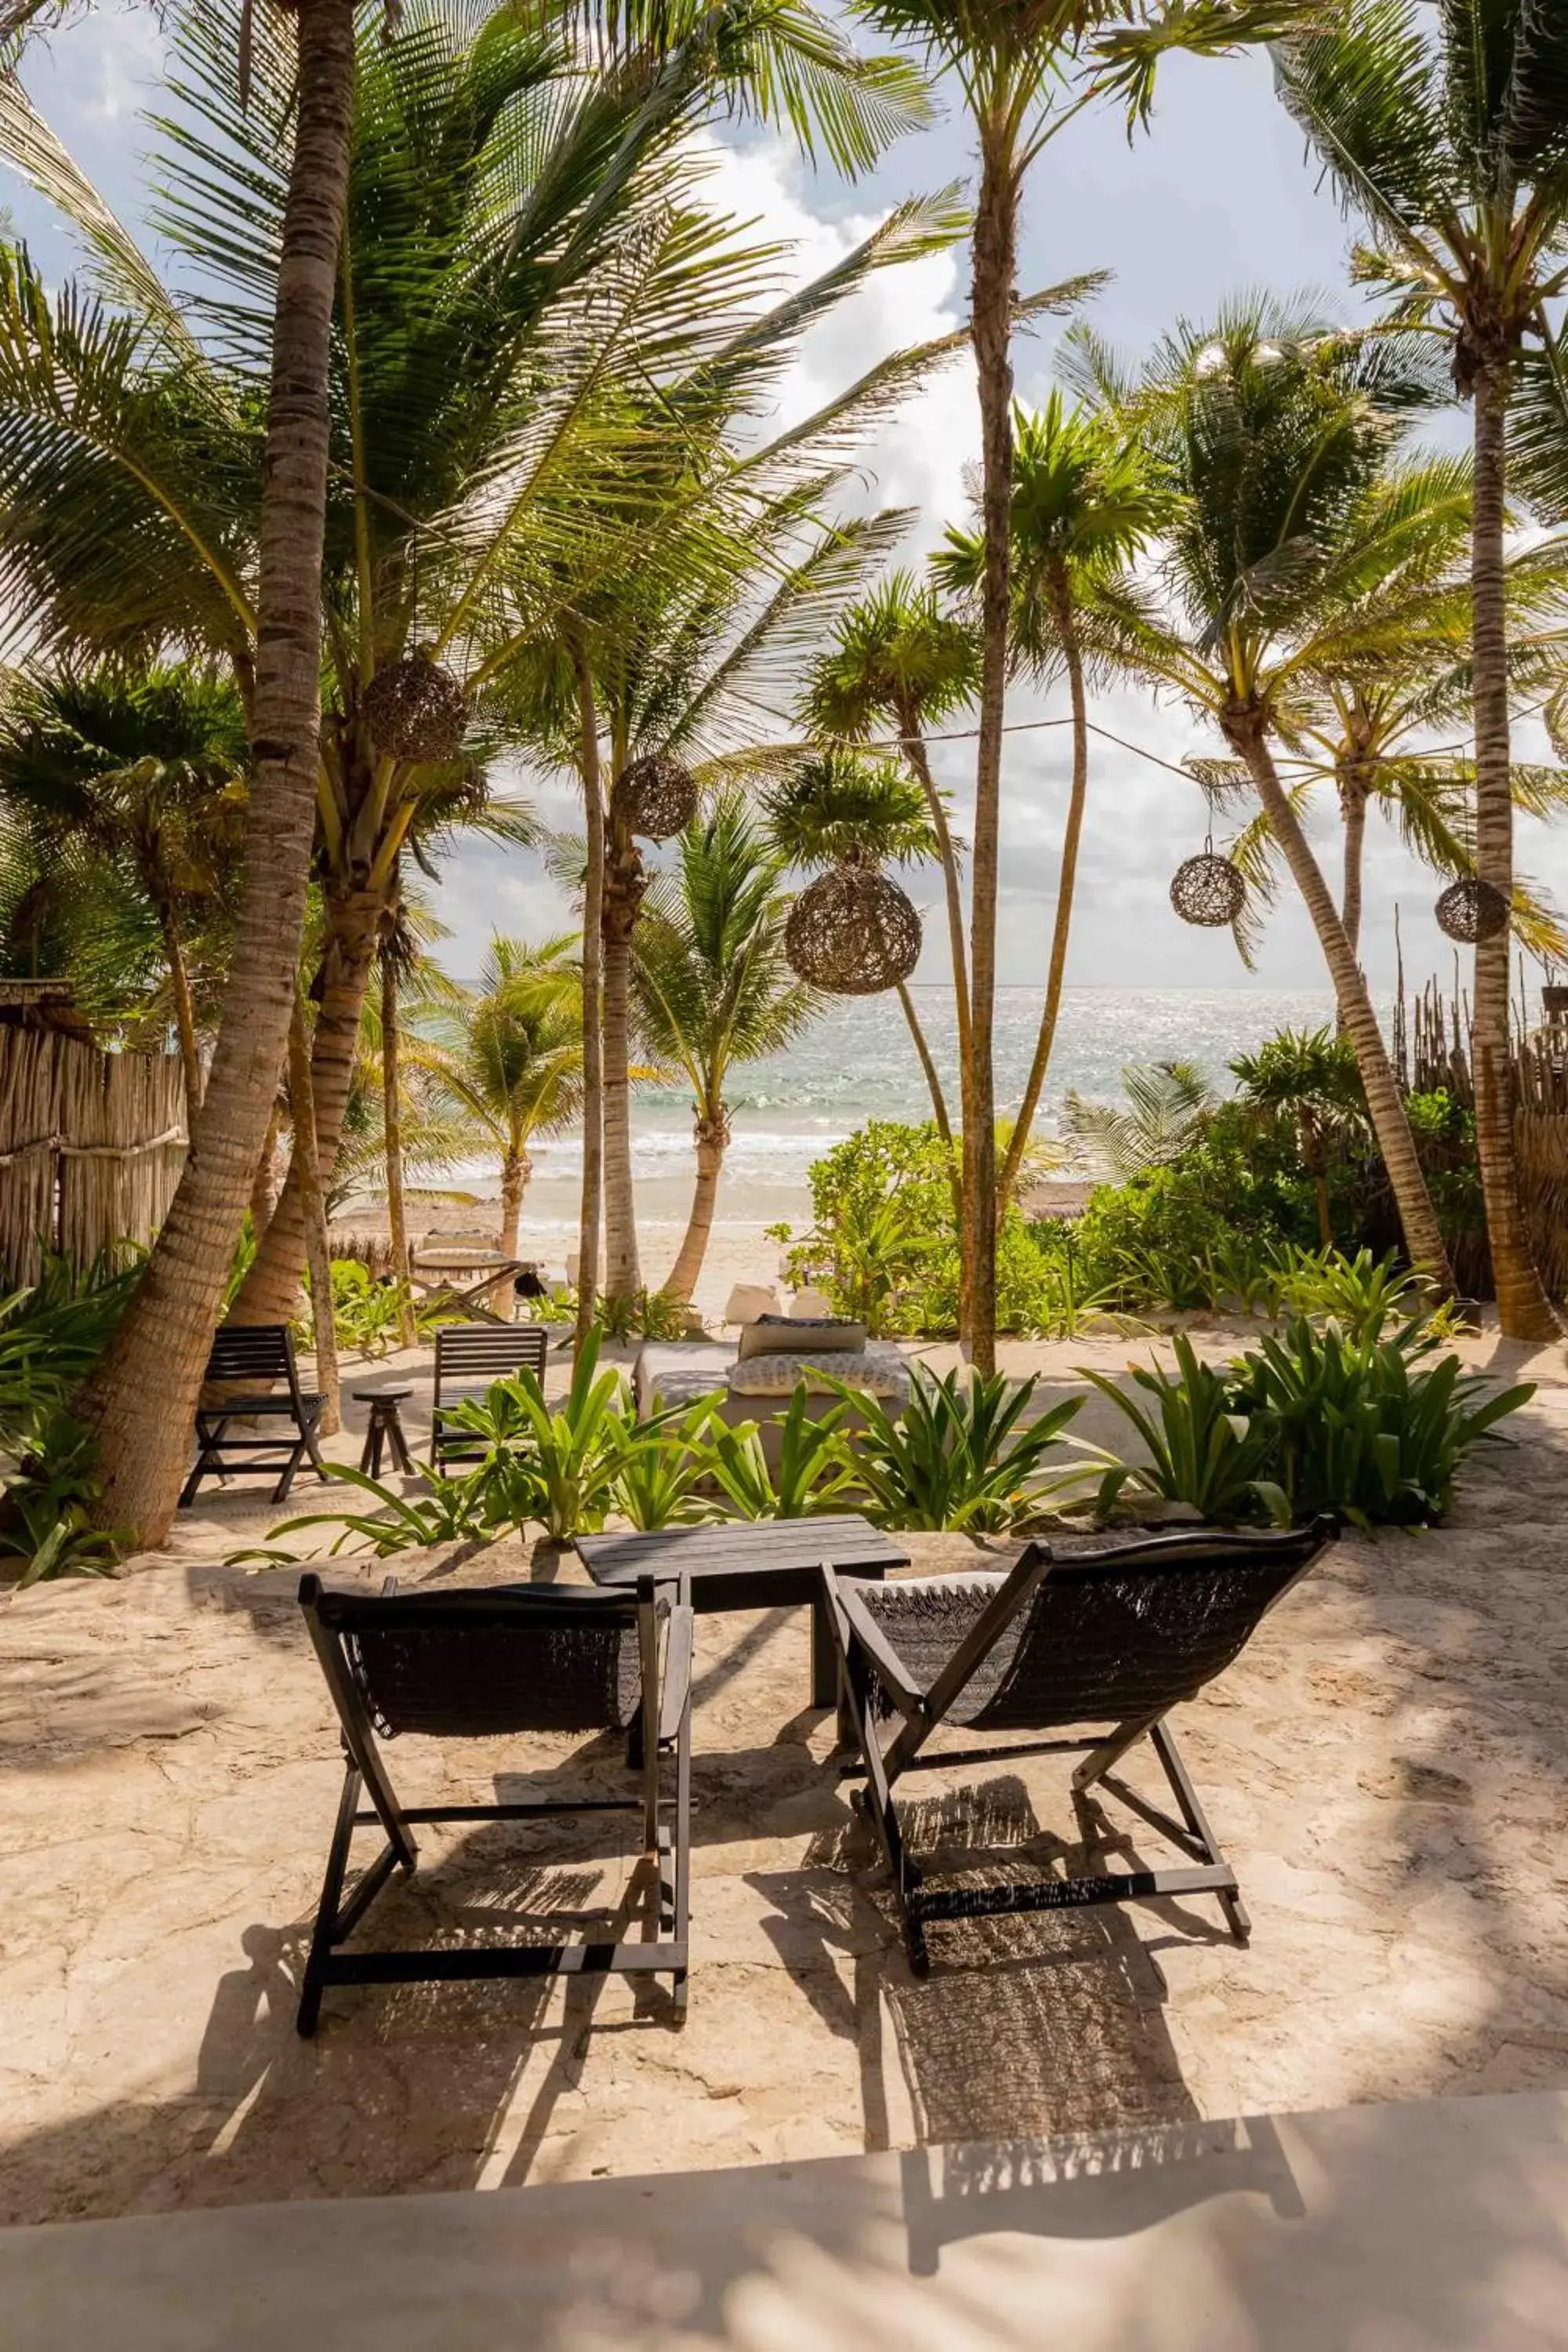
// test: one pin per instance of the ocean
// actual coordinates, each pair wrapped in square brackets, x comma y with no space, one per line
[857,1063]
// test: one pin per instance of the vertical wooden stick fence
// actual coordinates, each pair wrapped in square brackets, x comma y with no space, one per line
[92,1145]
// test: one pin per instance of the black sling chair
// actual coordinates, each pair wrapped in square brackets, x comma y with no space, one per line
[1111,1638]
[257,1353]
[474,1664]
[470,1358]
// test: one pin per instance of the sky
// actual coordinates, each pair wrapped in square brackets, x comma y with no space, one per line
[1217,199]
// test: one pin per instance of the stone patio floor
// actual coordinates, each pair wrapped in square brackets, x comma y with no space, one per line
[1388,1766]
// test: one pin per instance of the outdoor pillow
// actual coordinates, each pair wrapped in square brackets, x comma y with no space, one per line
[794,1334]
[879,1373]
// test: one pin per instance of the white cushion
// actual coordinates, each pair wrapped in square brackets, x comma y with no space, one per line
[879,1372]
[750,1299]
[790,1335]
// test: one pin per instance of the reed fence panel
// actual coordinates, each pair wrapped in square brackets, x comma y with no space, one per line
[92,1146]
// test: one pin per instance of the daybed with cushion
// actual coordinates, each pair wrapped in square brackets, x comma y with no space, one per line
[776,1355]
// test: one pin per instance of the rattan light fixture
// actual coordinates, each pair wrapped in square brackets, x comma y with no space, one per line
[852,932]
[415,710]
[1208,891]
[658,795]
[1471,909]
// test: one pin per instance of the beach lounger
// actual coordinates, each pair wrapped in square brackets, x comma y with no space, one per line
[470,1358]
[478,1664]
[1104,1643]
[255,1354]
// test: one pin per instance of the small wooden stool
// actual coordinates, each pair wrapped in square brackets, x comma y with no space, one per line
[384,1428]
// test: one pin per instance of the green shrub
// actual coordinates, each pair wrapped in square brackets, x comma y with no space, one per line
[1203,1451]
[1373,1427]
[1361,1424]
[960,1454]
[664,1467]
[449,1510]
[884,1240]
[556,1465]
[646,1315]
[52,1333]
[811,1476]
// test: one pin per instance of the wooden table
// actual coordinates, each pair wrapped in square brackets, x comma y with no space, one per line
[756,1564]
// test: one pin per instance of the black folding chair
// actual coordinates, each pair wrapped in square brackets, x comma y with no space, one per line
[254,1352]
[470,1357]
[1113,1638]
[475,1664]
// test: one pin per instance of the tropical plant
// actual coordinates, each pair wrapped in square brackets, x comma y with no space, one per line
[712,988]
[1167,1105]
[562,1461]
[1366,1426]
[1364,1295]
[1202,1450]
[1451,142]
[447,1510]
[507,1057]
[129,785]
[1273,431]
[49,1485]
[882,1205]
[961,1454]
[512,251]
[648,1315]
[1086,503]
[812,1472]
[1313,1079]
[665,1468]
[54,1329]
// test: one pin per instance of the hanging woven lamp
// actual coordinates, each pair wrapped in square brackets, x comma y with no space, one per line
[852,932]
[1208,891]
[1471,909]
[658,795]
[415,710]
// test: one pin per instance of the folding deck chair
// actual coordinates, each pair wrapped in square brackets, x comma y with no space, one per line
[469,1356]
[475,1664]
[257,1353]
[1113,1638]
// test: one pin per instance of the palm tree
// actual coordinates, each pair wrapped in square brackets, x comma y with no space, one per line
[1452,143]
[508,1057]
[1311,1079]
[144,772]
[1167,1105]
[897,660]
[1271,430]
[133,505]
[840,808]
[1368,731]
[1085,504]
[713,986]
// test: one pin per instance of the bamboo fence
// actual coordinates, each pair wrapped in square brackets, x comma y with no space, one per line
[92,1146]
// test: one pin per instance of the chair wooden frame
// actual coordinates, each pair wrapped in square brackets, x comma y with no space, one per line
[469,1356]
[254,1352]
[868,1661]
[661,1733]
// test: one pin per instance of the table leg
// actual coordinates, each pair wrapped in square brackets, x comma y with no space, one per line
[402,1458]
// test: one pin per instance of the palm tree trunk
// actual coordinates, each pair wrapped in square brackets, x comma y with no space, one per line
[623,890]
[515,1171]
[913,745]
[1066,884]
[318,1249]
[270,1291]
[932,1076]
[1524,1310]
[994,261]
[1353,813]
[592,1032]
[711,1137]
[184,1010]
[1423,1235]
[141,1398]
[392,1136]
[264,1185]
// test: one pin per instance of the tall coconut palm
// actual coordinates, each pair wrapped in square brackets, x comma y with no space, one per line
[508,1056]
[1450,137]
[1312,1079]
[1271,431]
[135,506]
[1086,502]
[713,987]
